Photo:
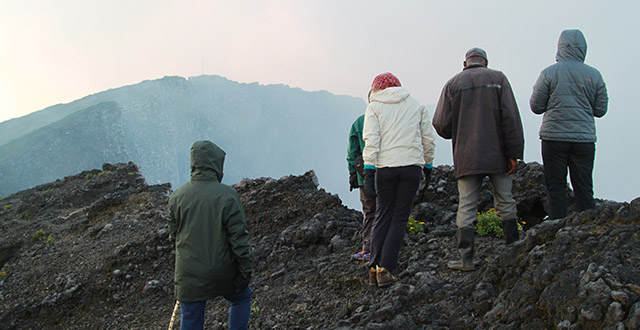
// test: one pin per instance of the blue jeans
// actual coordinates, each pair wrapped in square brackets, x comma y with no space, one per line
[192,317]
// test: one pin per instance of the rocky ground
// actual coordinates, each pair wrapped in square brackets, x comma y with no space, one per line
[92,251]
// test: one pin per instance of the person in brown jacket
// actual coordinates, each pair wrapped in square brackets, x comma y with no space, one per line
[478,112]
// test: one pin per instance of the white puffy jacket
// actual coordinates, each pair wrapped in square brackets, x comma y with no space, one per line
[397,130]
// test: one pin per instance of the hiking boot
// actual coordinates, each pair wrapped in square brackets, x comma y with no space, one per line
[362,256]
[384,277]
[510,229]
[460,265]
[373,281]
[465,247]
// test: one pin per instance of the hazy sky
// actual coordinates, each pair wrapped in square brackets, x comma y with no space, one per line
[58,51]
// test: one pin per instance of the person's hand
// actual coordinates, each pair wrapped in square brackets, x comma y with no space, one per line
[426,172]
[512,166]
[241,281]
[370,182]
[353,181]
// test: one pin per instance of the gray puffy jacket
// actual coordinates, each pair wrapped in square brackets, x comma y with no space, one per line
[569,93]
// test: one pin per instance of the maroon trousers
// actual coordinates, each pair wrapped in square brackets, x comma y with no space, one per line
[369,214]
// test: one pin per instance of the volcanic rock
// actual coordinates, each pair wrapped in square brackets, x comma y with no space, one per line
[92,251]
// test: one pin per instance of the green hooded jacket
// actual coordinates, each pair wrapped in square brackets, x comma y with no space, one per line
[355,147]
[207,220]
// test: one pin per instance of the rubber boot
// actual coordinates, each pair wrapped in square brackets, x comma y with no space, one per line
[510,229]
[465,246]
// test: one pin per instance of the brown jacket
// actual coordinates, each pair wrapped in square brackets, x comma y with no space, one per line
[478,111]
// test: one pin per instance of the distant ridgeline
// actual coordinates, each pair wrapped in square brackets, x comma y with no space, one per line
[271,130]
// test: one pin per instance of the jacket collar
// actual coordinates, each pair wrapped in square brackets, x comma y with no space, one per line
[474,65]
[390,95]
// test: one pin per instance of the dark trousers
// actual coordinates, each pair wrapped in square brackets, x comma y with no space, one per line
[578,157]
[369,213]
[396,188]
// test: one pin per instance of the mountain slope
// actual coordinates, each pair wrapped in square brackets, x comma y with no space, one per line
[84,139]
[268,130]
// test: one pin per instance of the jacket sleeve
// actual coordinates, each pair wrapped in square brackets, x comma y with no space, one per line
[602,99]
[172,221]
[428,137]
[442,117]
[540,95]
[511,122]
[353,149]
[371,137]
[236,225]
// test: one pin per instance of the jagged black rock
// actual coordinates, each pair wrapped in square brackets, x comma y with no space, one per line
[92,251]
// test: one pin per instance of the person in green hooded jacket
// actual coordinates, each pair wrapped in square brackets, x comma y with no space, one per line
[355,166]
[208,223]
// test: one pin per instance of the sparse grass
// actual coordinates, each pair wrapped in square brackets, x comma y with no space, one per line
[48,192]
[254,307]
[25,215]
[39,235]
[3,273]
[50,239]
[90,176]
[3,198]
[489,223]
[6,207]
[414,226]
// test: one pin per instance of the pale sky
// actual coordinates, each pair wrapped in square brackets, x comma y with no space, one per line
[58,51]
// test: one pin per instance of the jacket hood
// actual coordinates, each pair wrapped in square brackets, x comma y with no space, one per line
[571,46]
[207,160]
[390,95]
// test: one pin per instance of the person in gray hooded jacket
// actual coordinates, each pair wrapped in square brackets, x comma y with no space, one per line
[569,94]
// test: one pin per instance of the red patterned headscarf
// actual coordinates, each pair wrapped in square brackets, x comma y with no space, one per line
[385,80]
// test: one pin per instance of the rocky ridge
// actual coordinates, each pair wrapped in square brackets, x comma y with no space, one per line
[92,251]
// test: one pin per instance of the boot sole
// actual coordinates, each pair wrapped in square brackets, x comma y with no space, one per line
[462,268]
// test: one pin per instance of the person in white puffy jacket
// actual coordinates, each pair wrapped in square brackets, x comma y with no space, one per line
[399,149]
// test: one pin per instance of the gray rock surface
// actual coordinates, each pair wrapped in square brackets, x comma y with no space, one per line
[92,251]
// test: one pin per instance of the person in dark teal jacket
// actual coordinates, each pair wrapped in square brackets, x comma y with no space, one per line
[356,181]
[207,221]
